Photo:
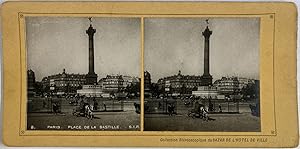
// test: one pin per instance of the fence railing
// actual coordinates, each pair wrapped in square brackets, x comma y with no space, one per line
[182,106]
[58,105]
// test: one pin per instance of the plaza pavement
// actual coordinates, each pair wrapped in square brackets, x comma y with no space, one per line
[223,122]
[123,120]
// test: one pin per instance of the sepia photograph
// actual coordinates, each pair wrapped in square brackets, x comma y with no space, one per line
[202,74]
[83,73]
[149,74]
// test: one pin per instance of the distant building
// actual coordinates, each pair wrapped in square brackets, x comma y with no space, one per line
[207,92]
[30,83]
[224,87]
[129,80]
[91,91]
[180,83]
[243,82]
[231,85]
[227,85]
[117,83]
[63,82]
[113,83]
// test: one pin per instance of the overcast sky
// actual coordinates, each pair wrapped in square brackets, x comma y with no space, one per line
[171,44]
[54,43]
[178,44]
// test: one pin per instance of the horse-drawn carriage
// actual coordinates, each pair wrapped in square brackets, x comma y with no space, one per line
[199,111]
[84,110]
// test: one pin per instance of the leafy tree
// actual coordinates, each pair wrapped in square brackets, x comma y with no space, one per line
[195,88]
[38,86]
[251,91]
[133,89]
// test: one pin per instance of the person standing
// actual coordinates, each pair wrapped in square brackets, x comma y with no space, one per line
[95,104]
[104,105]
[220,108]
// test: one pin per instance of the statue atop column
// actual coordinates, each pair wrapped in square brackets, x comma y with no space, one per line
[91,77]
[206,77]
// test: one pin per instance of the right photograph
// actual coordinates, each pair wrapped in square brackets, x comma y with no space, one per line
[202,74]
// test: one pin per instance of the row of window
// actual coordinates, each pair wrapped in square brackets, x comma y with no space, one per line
[112,83]
[67,85]
[227,84]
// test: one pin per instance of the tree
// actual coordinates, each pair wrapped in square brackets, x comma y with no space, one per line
[195,88]
[250,91]
[133,89]
[183,89]
[46,89]
[38,86]
[154,88]
[161,90]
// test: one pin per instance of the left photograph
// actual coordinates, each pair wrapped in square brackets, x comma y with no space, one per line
[83,73]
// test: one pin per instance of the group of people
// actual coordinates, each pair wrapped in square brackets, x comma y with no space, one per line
[199,111]
[85,108]
[82,100]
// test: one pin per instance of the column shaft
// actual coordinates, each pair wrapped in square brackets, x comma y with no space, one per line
[206,56]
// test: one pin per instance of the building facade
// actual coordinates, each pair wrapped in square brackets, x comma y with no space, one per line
[91,91]
[117,83]
[232,85]
[112,83]
[63,83]
[129,80]
[207,92]
[243,82]
[227,85]
[180,84]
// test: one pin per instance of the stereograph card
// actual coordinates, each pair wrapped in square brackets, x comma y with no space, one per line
[160,74]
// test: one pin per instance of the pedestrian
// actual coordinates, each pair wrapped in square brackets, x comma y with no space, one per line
[104,105]
[171,108]
[54,106]
[220,108]
[44,104]
[210,105]
[197,107]
[95,104]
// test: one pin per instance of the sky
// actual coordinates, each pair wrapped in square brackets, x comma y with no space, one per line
[173,44]
[55,43]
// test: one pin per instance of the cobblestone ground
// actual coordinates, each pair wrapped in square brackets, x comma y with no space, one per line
[242,122]
[125,120]
[129,120]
